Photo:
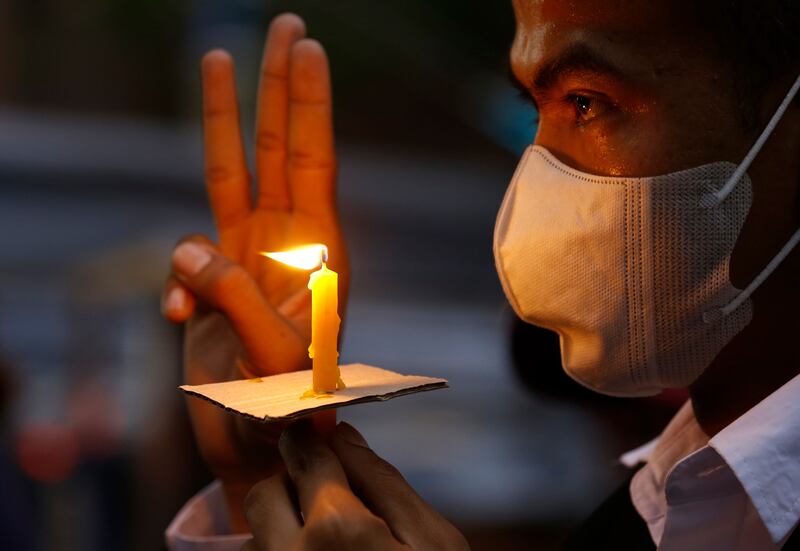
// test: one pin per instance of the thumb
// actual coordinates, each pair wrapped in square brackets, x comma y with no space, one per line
[272,344]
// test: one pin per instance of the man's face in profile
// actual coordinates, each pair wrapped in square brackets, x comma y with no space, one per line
[626,87]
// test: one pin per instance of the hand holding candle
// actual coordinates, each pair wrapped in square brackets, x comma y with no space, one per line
[251,323]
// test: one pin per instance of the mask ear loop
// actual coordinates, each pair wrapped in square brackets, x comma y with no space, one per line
[719,313]
[714,199]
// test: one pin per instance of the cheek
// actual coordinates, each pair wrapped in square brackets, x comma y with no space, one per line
[647,142]
[684,131]
[670,144]
[602,149]
[665,133]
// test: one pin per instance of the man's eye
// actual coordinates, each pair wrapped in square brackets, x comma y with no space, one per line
[586,107]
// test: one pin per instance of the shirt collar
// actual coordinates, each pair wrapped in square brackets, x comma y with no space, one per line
[761,448]
[681,437]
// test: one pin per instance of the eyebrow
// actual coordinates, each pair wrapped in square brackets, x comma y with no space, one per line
[574,59]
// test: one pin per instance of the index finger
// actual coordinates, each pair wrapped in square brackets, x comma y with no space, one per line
[227,178]
[314,469]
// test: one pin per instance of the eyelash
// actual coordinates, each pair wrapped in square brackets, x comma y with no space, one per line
[572,100]
[584,104]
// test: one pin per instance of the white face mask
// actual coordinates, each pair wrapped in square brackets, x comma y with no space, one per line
[632,273]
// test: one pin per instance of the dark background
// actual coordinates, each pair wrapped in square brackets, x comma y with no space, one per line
[100,173]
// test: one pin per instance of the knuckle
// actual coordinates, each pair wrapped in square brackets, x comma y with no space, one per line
[309,161]
[329,527]
[229,279]
[274,75]
[340,517]
[369,529]
[256,495]
[218,175]
[348,528]
[273,200]
[268,140]
[214,112]
[381,467]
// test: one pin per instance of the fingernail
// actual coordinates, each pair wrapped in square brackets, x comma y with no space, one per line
[176,300]
[347,433]
[190,258]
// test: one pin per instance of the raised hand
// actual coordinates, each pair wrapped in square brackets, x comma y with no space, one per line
[247,316]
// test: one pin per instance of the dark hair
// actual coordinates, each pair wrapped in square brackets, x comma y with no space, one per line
[760,39]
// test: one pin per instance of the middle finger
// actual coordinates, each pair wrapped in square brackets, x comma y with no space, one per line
[273,112]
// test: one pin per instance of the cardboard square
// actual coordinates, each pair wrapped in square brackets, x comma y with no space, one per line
[279,397]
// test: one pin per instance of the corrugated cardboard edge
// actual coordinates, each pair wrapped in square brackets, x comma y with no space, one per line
[305,412]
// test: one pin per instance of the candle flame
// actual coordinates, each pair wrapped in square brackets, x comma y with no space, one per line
[306,257]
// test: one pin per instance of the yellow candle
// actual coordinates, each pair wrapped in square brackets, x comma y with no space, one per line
[324,285]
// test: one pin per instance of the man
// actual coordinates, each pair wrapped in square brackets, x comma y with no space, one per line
[627,229]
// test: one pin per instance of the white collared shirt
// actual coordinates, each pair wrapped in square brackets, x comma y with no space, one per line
[202,524]
[738,491]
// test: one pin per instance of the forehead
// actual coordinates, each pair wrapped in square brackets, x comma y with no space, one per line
[610,14]
[647,33]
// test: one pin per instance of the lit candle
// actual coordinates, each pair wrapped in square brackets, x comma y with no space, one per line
[324,285]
